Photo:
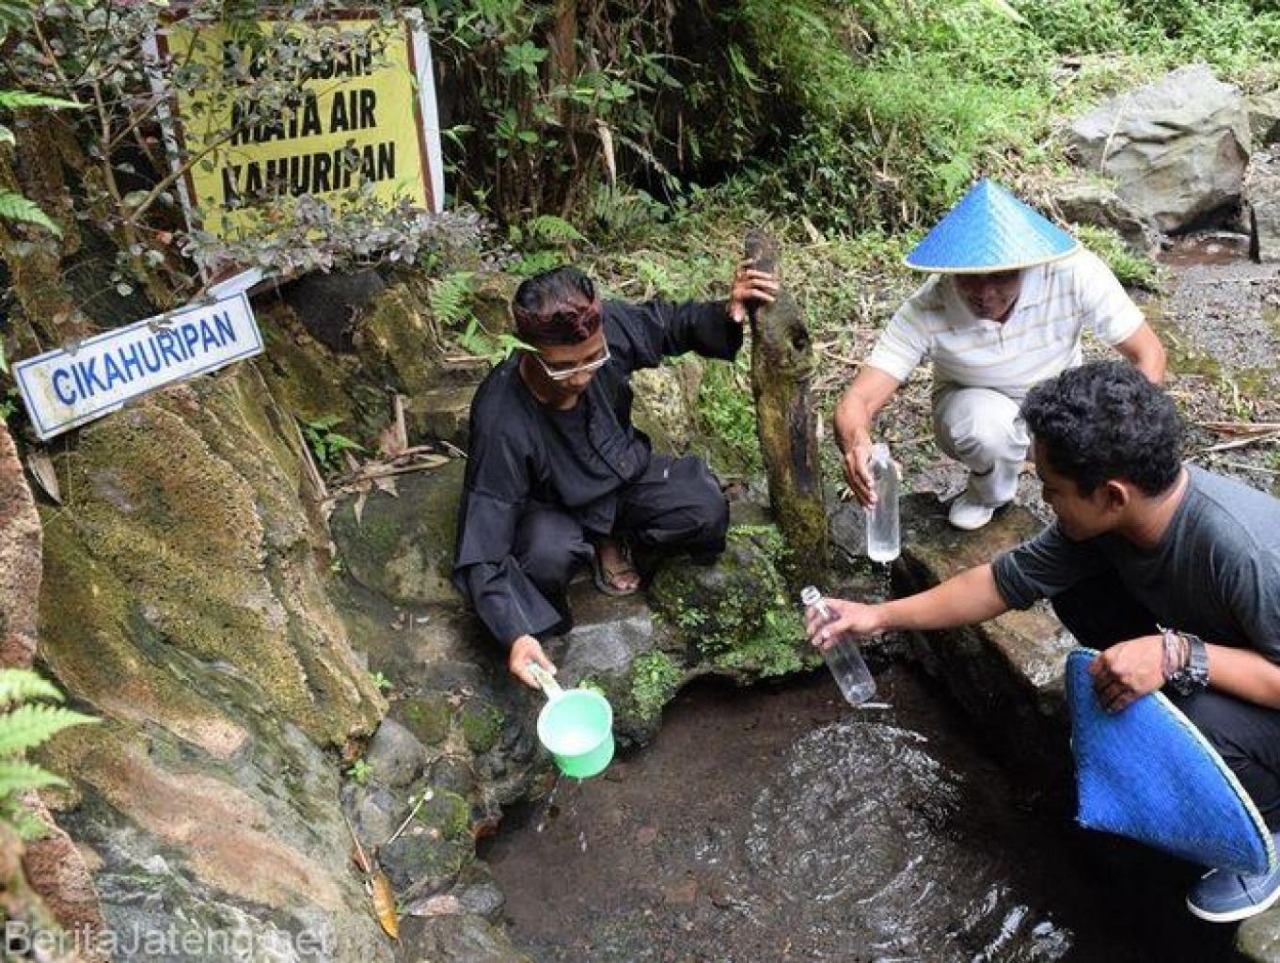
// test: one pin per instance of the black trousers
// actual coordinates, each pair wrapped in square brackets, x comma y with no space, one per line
[1247,736]
[675,504]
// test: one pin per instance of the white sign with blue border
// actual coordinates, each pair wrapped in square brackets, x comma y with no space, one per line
[67,387]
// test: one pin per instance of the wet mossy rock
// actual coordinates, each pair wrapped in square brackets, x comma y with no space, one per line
[434,848]
[735,617]
[397,341]
[428,718]
[401,546]
[183,552]
[666,405]
[400,345]
[308,378]
[183,604]
[481,726]
[457,936]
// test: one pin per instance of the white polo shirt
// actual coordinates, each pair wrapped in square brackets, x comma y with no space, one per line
[1040,338]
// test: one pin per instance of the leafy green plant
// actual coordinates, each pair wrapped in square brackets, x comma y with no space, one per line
[13,206]
[380,681]
[450,298]
[555,101]
[325,443]
[654,680]
[359,772]
[728,414]
[1133,270]
[24,725]
[547,229]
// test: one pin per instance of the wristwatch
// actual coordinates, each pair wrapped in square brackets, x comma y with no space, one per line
[1194,675]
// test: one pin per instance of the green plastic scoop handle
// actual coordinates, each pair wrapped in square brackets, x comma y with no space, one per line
[545,680]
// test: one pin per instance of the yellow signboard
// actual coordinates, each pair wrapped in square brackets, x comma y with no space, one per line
[360,122]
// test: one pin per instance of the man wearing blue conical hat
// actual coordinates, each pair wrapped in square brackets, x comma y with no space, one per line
[1010,297]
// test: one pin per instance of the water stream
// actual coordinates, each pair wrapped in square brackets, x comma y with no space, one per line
[779,824]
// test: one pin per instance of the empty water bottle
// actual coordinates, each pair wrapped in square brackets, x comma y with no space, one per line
[842,656]
[883,542]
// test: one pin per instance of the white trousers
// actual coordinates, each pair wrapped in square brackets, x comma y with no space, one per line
[980,428]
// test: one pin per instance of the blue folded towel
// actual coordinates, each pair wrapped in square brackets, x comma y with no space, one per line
[1147,773]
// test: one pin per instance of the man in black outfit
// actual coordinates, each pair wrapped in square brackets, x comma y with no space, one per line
[557,475]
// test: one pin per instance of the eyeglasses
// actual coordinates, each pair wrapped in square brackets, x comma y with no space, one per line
[564,374]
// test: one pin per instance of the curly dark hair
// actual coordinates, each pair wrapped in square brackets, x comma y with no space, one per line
[559,306]
[1105,420]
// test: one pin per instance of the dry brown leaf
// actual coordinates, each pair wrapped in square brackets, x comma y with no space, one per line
[386,484]
[358,507]
[394,439]
[309,464]
[435,461]
[389,442]
[606,151]
[384,902]
[41,467]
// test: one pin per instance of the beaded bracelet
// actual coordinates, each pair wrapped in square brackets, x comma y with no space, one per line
[1175,652]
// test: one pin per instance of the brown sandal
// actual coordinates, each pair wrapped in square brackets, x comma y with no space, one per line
[606,579]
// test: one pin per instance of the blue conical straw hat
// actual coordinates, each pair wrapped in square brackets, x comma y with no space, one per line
[990,230]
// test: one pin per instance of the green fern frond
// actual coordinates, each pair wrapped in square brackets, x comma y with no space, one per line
[15,207]
[17,775]
[549,229]
[14,15]
[450,298]
[20,684]
[13,99]
[30,725]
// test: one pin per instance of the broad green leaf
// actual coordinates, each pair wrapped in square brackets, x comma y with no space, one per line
[14,99]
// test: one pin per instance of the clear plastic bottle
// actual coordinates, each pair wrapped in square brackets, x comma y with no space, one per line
[843,658]
[883,539]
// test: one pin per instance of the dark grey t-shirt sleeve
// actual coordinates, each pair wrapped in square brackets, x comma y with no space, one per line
[1255,607]
[1044,566]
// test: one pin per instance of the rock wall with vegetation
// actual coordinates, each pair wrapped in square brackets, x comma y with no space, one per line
[183,605]
[191,598]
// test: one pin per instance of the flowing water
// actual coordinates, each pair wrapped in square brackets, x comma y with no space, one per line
[777,823]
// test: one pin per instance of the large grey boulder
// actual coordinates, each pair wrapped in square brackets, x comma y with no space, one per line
[1088,200]
[1264,117]
[1262,205]
[1176,149]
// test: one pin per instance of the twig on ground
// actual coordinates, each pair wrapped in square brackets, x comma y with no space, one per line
[1245,466]
[1242,442]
